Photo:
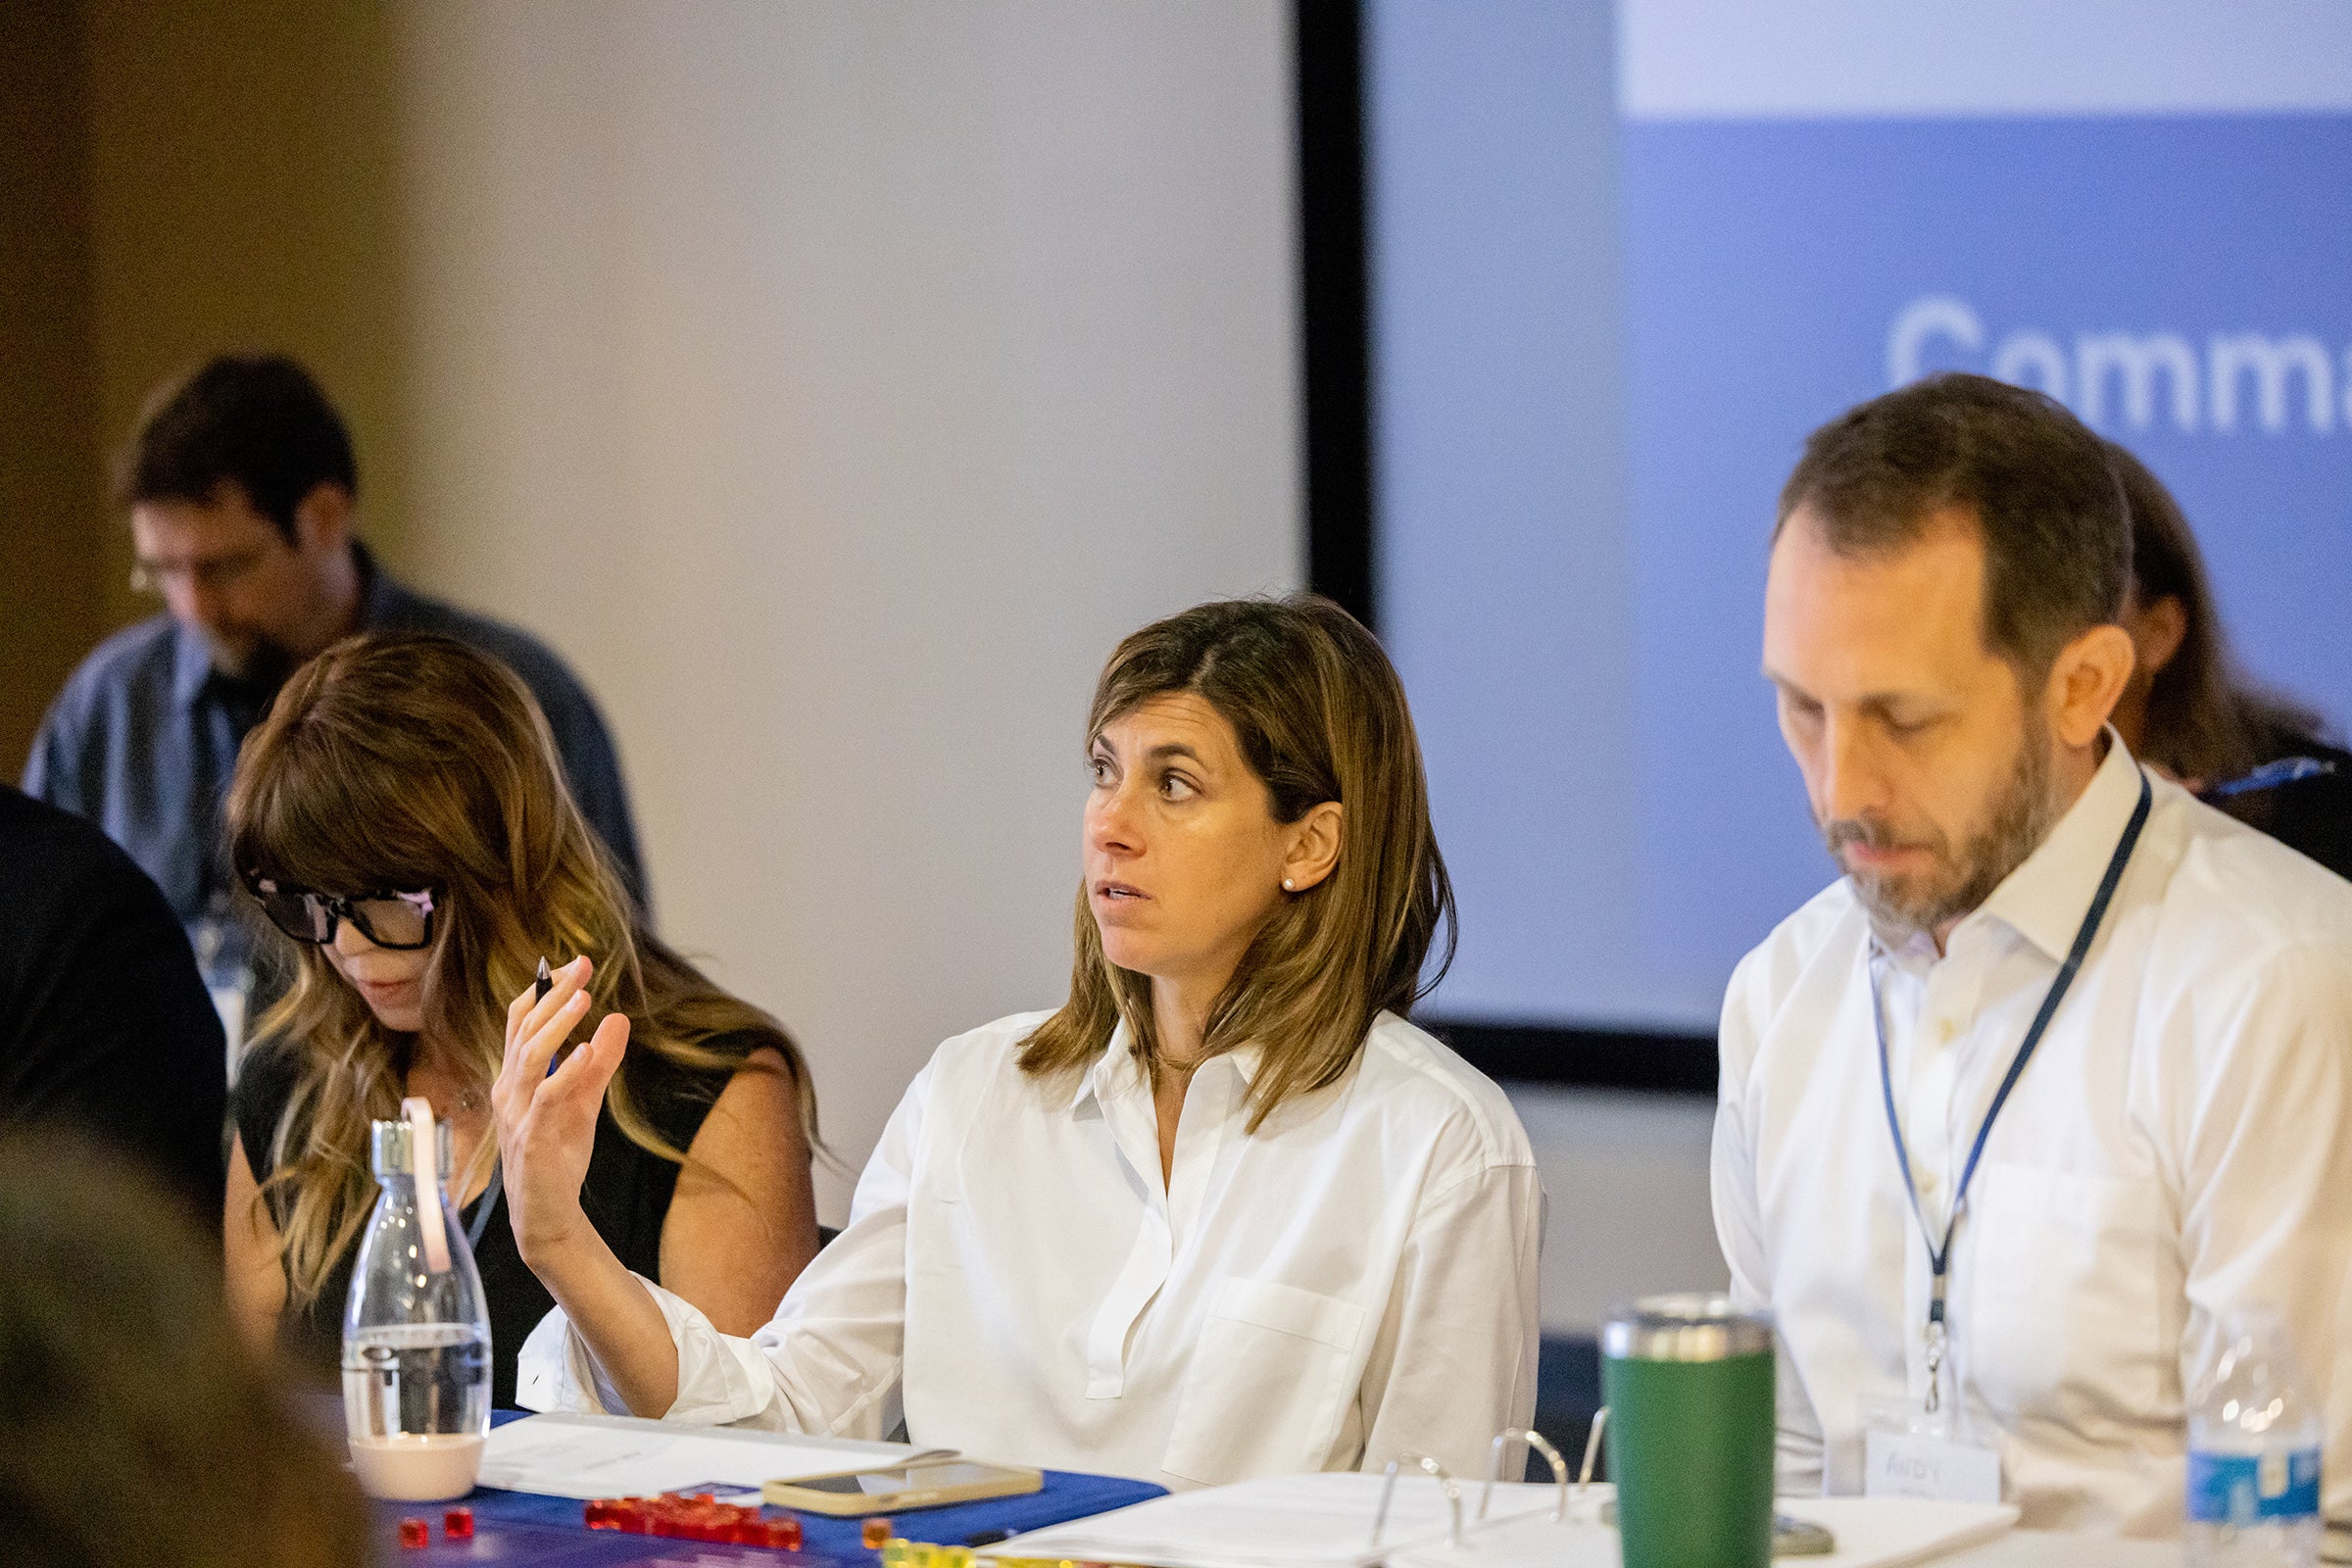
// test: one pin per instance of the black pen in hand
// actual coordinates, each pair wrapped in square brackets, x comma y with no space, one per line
[541,984]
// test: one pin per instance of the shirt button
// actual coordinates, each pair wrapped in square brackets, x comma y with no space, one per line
[1927,1183]
[1945,1029]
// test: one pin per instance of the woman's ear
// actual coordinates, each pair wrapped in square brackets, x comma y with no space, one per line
[2157,632]
[322,519]
[1312,849]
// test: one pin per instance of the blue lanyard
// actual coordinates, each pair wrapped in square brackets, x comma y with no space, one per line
[2270,775]
[1939,1258]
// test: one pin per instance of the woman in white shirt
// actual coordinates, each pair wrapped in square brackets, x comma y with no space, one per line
[1223,1214]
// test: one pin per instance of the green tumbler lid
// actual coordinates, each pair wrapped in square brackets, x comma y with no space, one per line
[1692,1327]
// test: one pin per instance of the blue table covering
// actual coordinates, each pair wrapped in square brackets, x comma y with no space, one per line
[523,1528]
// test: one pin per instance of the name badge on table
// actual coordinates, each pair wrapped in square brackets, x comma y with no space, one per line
[1907,1452]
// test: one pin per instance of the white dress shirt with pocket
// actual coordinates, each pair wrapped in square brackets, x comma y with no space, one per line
[2179,1144]
[1354,1281]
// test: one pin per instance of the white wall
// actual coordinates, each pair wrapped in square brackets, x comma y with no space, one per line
[1630,1215]
[834,384]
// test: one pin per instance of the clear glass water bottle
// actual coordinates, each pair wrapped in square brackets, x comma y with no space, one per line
[416,1331]
[2254,1453]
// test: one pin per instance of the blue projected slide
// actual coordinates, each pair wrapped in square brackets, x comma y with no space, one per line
[1624,263]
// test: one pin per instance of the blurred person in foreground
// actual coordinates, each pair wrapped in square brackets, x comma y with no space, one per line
[400,820]
[2190,711]
[137,1428]
[1941,615]
[1224,1213]
[104,1025]
[243,496]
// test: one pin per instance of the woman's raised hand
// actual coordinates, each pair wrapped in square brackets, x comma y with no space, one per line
[547,1120]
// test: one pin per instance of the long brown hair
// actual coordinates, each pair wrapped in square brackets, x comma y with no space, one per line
[397,760]
[1320,716]
[2206,719]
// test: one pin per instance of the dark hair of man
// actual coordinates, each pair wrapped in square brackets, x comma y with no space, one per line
[2206,719]
[259,421]
[2057,539]
[139,1428]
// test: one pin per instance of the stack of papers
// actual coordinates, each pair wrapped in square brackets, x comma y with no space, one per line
[621,1456]
[1311,1521]
[1325,1521]
[1871,1533]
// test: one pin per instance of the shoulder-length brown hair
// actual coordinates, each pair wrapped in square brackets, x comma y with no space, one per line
[1320,716]
[406,762]
[2207,720]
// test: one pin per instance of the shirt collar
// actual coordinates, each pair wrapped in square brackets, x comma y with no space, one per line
[2045,898]
[191,664]
[382,601]
[1116,1070]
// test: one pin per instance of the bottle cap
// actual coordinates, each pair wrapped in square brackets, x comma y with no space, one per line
[388,1148]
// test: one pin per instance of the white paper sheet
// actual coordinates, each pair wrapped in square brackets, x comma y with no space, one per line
[618,1456]
[1310,1521]
[1325,1521]
[1871,1533]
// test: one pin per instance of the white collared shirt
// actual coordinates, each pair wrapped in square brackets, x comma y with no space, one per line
[1352,1281]
[2180,1144]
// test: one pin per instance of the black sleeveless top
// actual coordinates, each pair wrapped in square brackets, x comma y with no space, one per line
[626,1197]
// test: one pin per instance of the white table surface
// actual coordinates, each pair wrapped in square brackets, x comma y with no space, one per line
[2042,1548]
[2039,1549]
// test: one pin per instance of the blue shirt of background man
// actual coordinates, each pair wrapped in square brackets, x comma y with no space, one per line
[144,738]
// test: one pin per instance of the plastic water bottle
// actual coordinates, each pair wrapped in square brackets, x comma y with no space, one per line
[416,1332]
[2254,1453]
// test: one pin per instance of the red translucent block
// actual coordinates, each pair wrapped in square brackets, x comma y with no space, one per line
[717,1524]
[698,1517]
[628,1514]
[458,1524]
[414,1533]
[875,1533]
[781,1534]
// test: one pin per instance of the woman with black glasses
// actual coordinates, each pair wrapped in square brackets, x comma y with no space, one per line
[401,821]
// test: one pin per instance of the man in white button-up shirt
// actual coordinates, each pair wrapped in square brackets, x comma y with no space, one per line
[1940,629]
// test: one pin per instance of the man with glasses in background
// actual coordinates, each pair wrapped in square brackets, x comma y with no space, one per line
[242,492]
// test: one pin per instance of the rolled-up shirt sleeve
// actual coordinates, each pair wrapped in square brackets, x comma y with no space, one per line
[827,1363]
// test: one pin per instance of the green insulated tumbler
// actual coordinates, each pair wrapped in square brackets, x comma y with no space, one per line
[1688,1385]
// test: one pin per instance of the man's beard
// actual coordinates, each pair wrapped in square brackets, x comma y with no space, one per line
[258,663]
[1899,909]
